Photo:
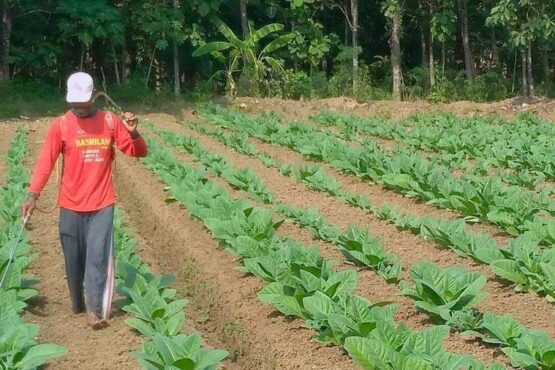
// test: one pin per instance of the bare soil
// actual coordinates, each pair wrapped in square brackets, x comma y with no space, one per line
[223,302]
[296,109]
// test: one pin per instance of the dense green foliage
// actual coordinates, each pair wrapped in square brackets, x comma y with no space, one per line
[157,313]
[299,281]
[458,49]
[19,349]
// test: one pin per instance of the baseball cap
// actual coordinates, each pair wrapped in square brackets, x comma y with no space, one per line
[79,88]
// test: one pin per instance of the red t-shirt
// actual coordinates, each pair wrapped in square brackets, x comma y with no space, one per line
[87,148]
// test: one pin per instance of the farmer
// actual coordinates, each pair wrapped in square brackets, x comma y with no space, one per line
[86,136]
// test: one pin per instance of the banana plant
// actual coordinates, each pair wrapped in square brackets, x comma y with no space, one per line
[247,54]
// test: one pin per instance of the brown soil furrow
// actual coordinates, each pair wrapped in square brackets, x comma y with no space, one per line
[149,255]
[377,194]
[391,110]
[257,337]
[104,349]
[189,160]
[370,285]
[411,248]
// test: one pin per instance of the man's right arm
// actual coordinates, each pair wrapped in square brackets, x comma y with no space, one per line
[49,153]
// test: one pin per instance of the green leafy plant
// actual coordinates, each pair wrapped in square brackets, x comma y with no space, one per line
[19,349]
[153,314]
[530,267]
[178,352]
[447,294]
[359,247]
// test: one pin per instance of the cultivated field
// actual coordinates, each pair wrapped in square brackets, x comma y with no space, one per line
[308,235]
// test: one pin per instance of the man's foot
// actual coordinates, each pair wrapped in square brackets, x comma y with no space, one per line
[78,310]
[95,322]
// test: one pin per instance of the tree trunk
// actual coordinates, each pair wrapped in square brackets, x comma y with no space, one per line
[295,59]
[116,68]
[443,59]
[524,79]
[423,47]
[531,89]
[395,44]
[244,28]
[6,41]
[354,16]
[470,68]
[546,69]
[177,81]
[244,18]
[157,76]
[150,66]
[346,4]
[495,49]
[431,63]
[124,62]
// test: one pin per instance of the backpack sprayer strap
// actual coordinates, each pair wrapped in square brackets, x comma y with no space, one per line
[64,123]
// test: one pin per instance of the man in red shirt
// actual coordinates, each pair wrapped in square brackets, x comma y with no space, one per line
[86,137]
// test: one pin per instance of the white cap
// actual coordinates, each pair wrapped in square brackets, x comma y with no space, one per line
[79,88]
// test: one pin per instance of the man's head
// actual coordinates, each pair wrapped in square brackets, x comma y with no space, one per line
[80,88]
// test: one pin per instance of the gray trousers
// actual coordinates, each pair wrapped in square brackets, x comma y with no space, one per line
[87,242]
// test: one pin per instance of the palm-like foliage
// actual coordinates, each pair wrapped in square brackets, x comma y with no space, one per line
[246,54]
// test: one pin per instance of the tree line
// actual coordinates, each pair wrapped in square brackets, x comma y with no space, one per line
[400,49]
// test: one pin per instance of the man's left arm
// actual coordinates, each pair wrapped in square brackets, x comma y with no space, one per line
[127,136]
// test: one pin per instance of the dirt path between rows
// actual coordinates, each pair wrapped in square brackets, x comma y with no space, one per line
[412,249]
[256,336]
[104,349]
[391,110]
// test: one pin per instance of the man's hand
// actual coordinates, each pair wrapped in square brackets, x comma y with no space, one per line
[130,122]
[27,208]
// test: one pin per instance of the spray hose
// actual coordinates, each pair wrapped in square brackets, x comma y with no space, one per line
[11,256]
